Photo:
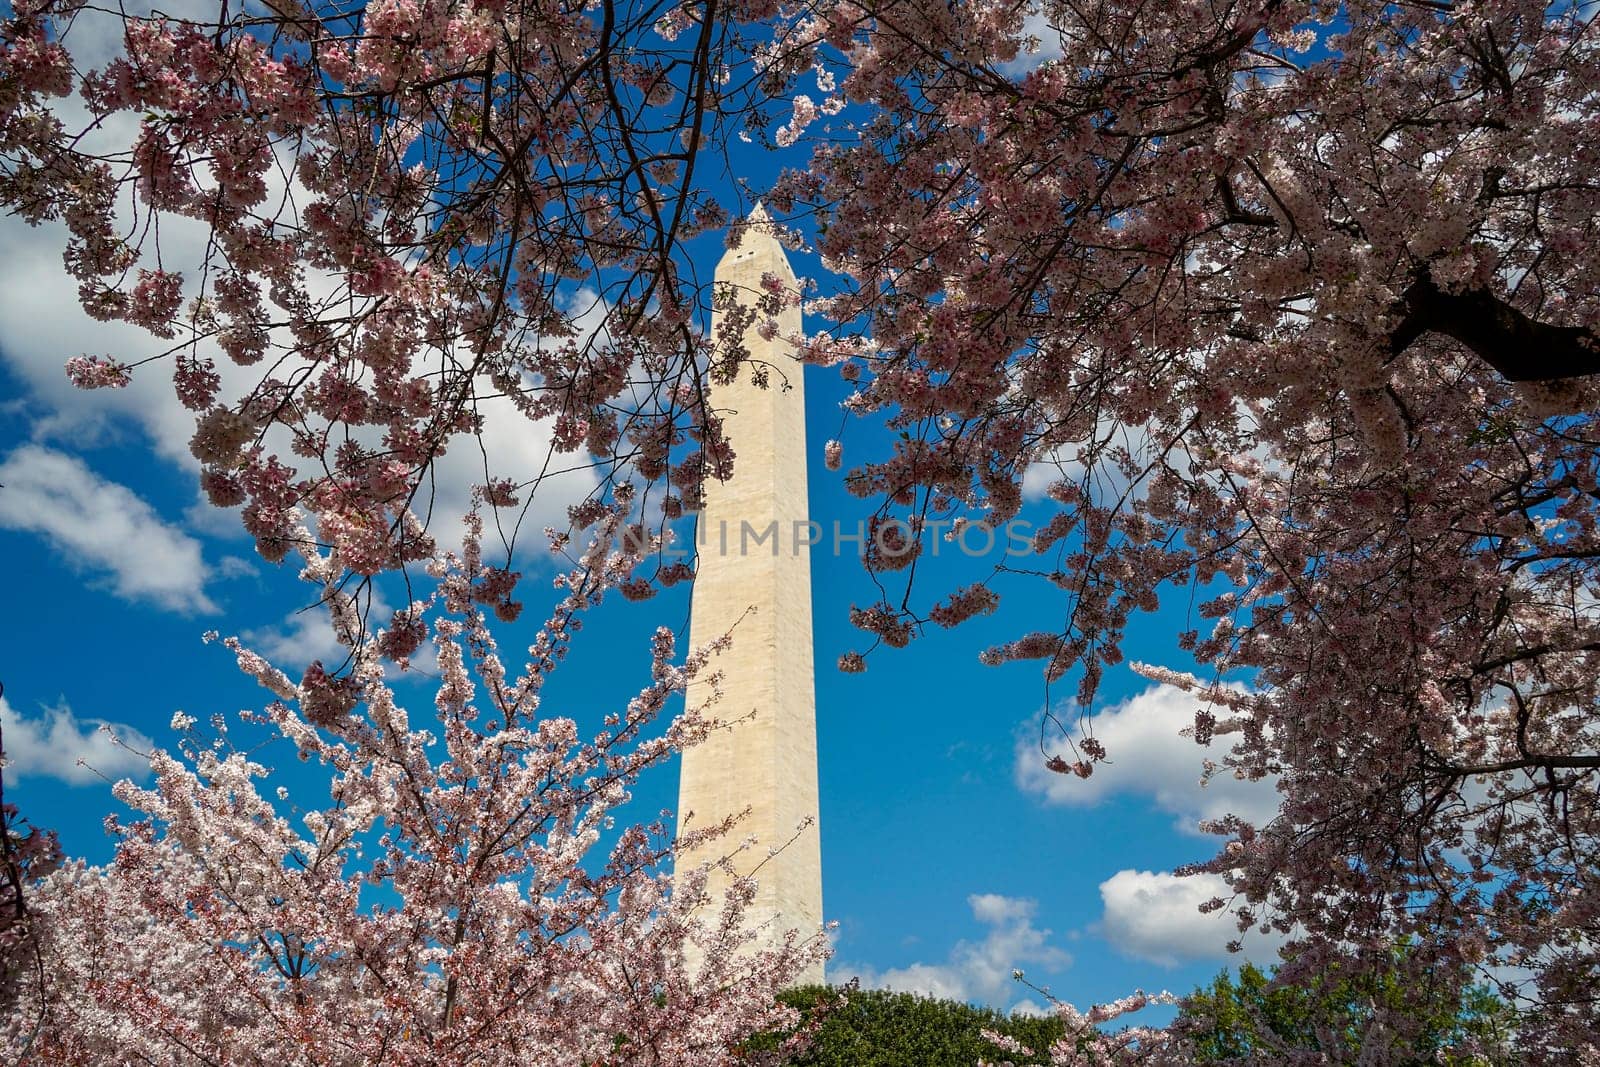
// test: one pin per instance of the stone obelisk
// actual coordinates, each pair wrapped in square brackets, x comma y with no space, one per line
[754,580]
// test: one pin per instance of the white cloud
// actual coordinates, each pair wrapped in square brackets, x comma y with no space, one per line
[37,346]
[204,517]
[304,636]
[978,971]
[1147,757]
[1036,25]
[1107,483]
[509,445]
[102,528]
[77,751]
[233,567]
[1156,916]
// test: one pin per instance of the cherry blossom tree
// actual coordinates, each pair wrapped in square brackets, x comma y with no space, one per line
[446,904]
[1293,304]
[405,212]
[397,205]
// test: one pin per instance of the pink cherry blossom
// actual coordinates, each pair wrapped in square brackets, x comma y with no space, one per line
[459,896]
[97,372]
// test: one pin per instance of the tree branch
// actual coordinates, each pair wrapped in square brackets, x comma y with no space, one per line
[1533,761]
[1520,348]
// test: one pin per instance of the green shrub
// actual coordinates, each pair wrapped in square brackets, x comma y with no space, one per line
[877,1028]
[1236,1019]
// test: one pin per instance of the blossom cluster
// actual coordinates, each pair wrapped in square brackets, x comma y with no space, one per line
[462,894]
[408,214]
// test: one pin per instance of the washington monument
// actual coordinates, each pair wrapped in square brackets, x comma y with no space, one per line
[766,761]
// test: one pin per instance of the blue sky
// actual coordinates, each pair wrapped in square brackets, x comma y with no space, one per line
[950,856]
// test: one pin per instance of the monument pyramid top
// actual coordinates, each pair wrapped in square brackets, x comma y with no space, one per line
[758,239]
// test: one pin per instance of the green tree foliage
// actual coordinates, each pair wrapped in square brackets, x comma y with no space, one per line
[1435,1022]
[877,1028]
